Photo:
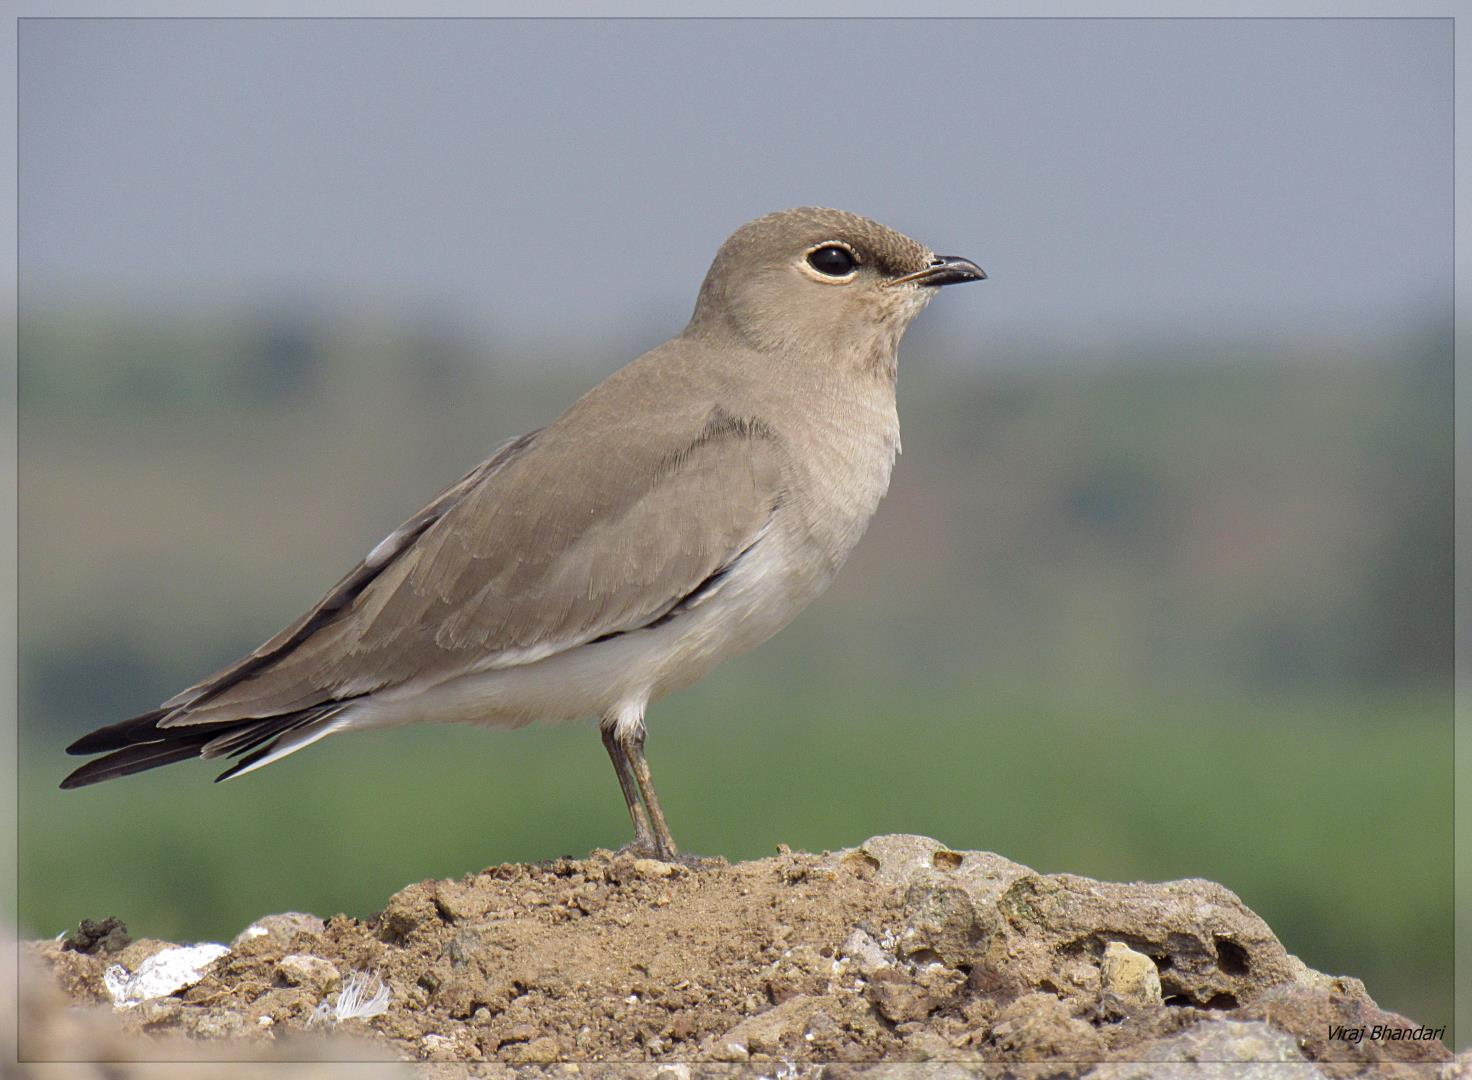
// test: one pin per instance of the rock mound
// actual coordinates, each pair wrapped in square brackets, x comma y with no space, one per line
[898,950]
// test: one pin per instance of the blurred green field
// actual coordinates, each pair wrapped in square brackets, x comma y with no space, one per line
[1121,615]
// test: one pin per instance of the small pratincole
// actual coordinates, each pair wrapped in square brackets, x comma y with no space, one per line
[682,511]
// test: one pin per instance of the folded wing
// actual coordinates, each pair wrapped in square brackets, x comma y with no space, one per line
[549,545]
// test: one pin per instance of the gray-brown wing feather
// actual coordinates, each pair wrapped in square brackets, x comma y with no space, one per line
[581,533]
[350,585]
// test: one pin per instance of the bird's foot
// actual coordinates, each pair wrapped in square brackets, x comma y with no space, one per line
[646,847]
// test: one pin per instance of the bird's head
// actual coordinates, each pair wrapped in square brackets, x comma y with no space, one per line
[822,281]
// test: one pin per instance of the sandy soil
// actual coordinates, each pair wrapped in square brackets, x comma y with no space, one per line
[899,950]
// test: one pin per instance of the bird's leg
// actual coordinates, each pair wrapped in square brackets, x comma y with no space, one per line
[633,747]
[643,838]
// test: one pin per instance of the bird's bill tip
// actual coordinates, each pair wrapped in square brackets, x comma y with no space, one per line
[944,270]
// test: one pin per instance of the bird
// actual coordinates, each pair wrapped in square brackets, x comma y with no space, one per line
[679,513]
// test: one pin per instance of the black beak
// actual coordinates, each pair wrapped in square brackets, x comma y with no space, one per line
[944,270]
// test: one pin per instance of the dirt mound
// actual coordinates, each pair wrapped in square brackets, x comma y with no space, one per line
[898,950]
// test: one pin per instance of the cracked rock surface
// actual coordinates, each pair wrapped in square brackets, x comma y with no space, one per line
[844,964]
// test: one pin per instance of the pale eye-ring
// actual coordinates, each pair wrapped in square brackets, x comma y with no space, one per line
[832,260]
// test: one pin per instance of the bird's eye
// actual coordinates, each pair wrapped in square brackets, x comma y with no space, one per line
[832,260]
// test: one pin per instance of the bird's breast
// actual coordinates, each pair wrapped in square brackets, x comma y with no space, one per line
[842,463]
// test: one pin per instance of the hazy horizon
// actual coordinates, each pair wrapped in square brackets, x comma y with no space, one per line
[565,180]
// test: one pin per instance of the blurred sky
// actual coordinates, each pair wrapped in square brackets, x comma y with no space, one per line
[547,181]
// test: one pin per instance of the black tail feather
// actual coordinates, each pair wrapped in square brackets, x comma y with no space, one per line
[137,758]
[234,741]
[128,732]
[140,744]
[266,737]
[137,745]
[247,761]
